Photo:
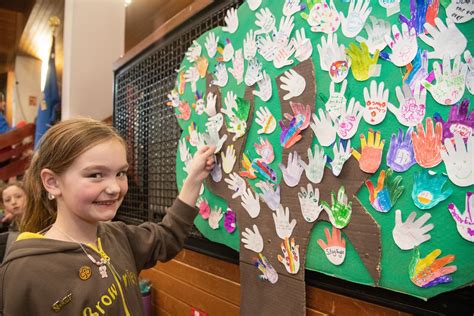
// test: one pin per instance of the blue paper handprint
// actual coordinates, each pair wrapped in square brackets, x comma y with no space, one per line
[401,156]
[427,190]
[418,9]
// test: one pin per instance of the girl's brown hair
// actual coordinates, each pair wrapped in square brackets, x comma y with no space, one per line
[58,149]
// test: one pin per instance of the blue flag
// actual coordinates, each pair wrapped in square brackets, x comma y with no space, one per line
[50,101]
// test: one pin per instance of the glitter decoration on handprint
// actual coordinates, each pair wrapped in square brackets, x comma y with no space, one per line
[427,190]
[430,271]
[335,249]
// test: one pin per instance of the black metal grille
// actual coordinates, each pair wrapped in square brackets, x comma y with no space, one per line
[148,125]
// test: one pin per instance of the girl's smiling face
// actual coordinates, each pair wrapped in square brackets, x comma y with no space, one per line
[93,187]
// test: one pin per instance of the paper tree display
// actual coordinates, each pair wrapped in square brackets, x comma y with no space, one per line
[339,127]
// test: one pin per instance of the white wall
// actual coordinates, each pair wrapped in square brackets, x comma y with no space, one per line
[28,83]
[94,35]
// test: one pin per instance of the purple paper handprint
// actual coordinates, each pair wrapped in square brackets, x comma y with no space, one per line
[229,221]
[291,134]
[460,121]
[418,9]
[418,71]
[401,156]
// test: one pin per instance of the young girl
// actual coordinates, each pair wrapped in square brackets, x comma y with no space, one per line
[14,200]
[70,260]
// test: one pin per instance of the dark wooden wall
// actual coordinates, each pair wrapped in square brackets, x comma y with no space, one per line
[193,280]
[145,16]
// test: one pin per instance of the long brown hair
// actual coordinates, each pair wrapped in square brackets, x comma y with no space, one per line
[58,149]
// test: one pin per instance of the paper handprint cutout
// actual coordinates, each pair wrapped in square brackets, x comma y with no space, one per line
[430,271]
[464,221]
[450,83]
[427,190]
[268,272]
[341,155]
[411,233]
[388,191]
[459,160]
[412,105]
[340,210]
[460,121]
[309,203]
[335,249]
[229,221]
[252,239]
[371,148]
[375,103]
[401,156]
[427,145]
[291,255]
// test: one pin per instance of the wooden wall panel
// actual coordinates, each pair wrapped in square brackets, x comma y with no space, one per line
[145,16]
[211,285]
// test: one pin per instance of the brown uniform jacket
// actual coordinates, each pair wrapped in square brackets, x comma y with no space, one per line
[43,276]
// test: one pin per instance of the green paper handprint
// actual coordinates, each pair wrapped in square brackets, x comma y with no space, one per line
[340,212]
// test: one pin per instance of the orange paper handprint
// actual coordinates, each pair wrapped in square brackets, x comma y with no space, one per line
[371,148]
[335,249]
[427,146]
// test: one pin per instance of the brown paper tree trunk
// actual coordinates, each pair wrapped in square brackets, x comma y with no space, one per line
[288,295]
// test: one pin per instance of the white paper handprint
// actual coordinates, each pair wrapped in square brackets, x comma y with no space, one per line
[358,13]
[265,87]
[266,120]
[376,103]
[459,160]
[412,105]
[323,128]
[292,172]
[341,155]
[250,46]
[450,83]
[231,20]
[292,82]
[236,184]
[337,100]
[348,123]
[309,203]
[447,40]
[375,34]
[252,239]
[270,194]
[251,203]
[411,233]
[303,46]
[314,169]
[211,44]
[283,226]
[228,159]
[215,217]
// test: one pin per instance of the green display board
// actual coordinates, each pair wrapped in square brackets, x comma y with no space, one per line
[394,263]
